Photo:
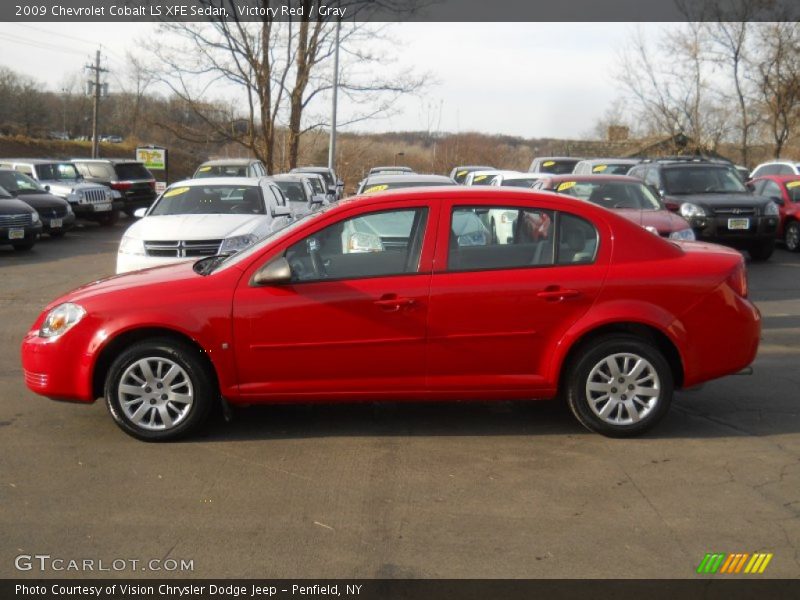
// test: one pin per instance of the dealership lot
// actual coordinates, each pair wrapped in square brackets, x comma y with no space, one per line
[393,490]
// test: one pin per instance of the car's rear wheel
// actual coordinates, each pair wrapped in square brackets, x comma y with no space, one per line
[619,386]
[159,390]
[762,250]
[791,236]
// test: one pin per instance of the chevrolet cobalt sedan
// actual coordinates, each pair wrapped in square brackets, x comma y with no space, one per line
[580,304]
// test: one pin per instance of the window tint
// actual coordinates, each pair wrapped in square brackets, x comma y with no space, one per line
[577,240]
[210,200]
[499,238]
[372,245]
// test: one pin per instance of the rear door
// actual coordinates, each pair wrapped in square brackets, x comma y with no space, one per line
[498,310]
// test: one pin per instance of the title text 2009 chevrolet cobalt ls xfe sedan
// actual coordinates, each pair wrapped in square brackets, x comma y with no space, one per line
[379,298]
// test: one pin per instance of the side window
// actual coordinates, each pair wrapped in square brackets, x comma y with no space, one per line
[377,244]
[577,240]
[771,190]
[499,238]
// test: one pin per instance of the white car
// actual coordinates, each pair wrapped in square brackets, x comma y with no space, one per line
[203,217]
[776,167]
[485,177]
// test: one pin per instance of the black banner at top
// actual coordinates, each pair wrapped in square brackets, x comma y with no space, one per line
[400,10]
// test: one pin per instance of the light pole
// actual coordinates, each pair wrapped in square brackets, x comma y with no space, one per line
[332,143]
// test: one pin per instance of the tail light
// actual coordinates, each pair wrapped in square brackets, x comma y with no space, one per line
[152,184]
[120,186]
[737,280]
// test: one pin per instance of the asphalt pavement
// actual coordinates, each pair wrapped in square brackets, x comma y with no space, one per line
[451,490]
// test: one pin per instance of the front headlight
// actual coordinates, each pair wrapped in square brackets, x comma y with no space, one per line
[689,210]
[236,243]
[111,195]
[62,318]
[130,245]
[771,209]
[35,217]
[683,234]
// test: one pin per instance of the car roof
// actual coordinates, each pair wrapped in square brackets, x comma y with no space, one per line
[778,178]
[593,177]
[114,161]
[226,162]
[392,168]
[310,169]
[474,167]
[575,158]
[621,161]
[36,161]
[219,181]
[521,175]
[287,177]
[779,162]
[411,177]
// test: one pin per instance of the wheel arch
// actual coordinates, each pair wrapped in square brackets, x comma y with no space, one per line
[114,346]
[644,331]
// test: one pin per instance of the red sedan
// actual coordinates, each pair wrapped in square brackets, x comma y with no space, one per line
[404,296]
[784,190]
[626,195]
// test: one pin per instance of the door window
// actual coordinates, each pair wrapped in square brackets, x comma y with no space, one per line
[377,244]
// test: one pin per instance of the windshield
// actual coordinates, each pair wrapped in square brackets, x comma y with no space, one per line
[483,179]
[702,180]
[316,184]
[520,183]
[611,194]
[321,171]
[210,200]
[396,185]
[558,167]
[293,190]
[793,187]
[58,172]
[221,171]
[18,183]
[612,168]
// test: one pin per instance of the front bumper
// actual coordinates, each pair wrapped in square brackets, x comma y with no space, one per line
[31,234]
[715,229]
[59,368]
[67,223]
[135,262]
[87,211]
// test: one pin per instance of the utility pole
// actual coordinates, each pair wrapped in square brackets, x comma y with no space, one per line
[332,144]
[96,105]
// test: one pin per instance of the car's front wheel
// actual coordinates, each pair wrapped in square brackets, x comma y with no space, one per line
[619,386]
[791,236]
[108,219]
[159,390]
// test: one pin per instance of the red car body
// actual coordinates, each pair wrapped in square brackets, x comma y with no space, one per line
[433,334]
[788,201]
[662,221]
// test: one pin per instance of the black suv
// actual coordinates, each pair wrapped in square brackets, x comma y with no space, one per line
[710,195]
[131,179]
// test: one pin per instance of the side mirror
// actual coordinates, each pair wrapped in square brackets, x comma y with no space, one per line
[139,212]
[281,211]
[777,200]
[274,272]
[317,200]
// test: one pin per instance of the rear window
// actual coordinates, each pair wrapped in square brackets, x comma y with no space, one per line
[558,167]
[382,187]
[132,171]
[221,171]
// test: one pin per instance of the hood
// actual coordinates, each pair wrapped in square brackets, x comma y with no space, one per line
[663,221]
[194,227]
[725,199]
[63,188]
[12,206]
[43,200]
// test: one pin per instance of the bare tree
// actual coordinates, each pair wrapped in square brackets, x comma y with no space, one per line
[277,68]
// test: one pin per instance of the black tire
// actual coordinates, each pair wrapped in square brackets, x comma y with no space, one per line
[589,357]
[203,391]
[24,247]
[762,250]
[108,219]
[791,236]
[57,233]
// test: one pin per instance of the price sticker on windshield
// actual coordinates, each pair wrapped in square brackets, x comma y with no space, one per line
[599,168]
[461,173]
[479,178]
[548,163]
[175,192]
[376,188]
[792,184]
[566,185]
[204,169]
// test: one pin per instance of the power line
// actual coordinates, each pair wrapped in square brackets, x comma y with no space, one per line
[40,45]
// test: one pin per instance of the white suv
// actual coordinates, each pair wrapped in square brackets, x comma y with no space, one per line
[203,217]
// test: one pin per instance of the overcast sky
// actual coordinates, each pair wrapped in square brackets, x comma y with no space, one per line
[526,79]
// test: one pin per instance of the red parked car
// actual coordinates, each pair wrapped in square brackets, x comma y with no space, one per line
[404,296]
[626,195]
[784,190]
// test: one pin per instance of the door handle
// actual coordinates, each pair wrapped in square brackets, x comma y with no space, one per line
[556,294]
[393,303]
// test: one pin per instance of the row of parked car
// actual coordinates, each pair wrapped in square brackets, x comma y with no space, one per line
[40,195]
